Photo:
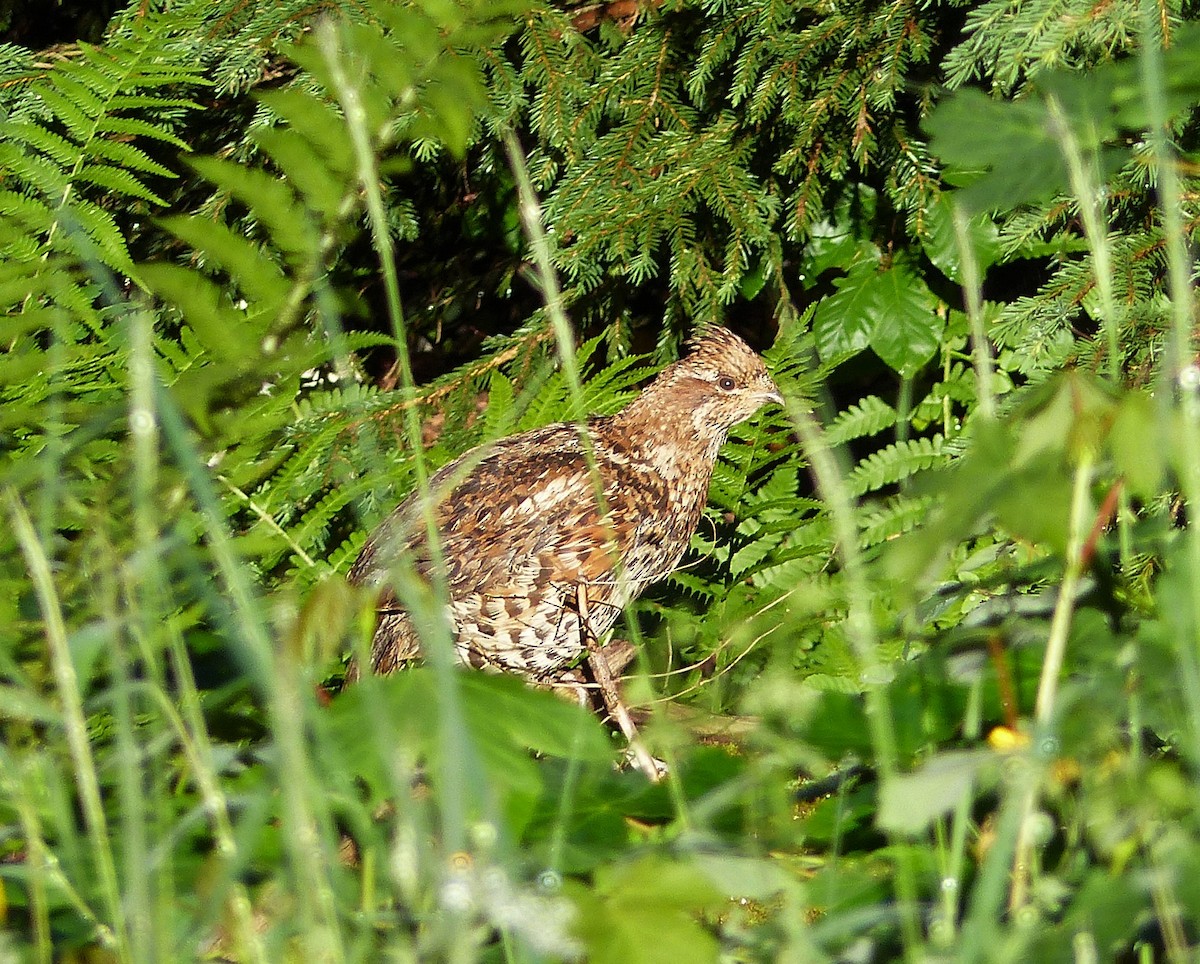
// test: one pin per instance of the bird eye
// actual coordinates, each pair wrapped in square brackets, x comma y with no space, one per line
[726,384]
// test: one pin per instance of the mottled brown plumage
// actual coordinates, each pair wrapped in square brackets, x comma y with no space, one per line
[522,528]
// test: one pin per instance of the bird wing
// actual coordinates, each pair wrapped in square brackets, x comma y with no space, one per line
[532,511]
[521,527]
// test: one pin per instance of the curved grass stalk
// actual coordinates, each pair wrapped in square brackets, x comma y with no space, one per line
[539,243]
[863,641]
[275,678]
[1089,192]
[1052,663]
[41,862]
[114,934]
[1179,377]
[456,781]
[193,740]
[1179,348]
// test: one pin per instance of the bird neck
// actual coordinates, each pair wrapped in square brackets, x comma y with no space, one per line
[668,436]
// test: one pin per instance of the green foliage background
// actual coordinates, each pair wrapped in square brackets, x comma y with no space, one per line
[928,682]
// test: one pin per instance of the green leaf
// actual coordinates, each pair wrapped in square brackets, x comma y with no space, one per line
[908,332]
[896,462]
[21,703]
[320,125]
[128,156]
[910,802]
[221,328]
[505,706]
[843,237]
[890,311]
[59,149]
[273,202]
[844,323]
[34,168]
[1138,445]
[839,726]
[260,280]
[868,416]
[31,213]
[977,133]
[503,719]
[135,127]
[102,232]
[318,180]
[118,181]
[940,239]
[645,912]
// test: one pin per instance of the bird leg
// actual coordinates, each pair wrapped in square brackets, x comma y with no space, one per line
[618,653]
[602,673]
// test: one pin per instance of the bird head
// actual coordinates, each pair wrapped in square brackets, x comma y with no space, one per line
[722,381]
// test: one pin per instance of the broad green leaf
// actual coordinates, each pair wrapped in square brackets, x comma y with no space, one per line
[843,236]
[850,809]
[503,719]
[505,706]
[1064,111]
[908,331]
[839,726]
[844,323]
[975,132]
[1102,908]
[909,802]
[1138,445]
[645,912]
[889,310]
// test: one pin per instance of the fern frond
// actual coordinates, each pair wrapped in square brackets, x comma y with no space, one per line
[895,463]
[699,589]
[76,134]
[868,416]
[898,515]
[313,527]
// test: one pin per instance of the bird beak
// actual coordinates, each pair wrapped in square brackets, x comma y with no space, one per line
[771,394]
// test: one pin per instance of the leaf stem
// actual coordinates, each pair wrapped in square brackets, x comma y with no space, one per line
[981,354]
